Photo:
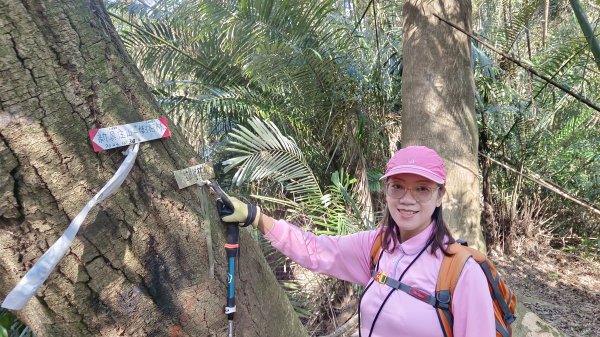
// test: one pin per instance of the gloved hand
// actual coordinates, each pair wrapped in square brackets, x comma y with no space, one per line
[237,211]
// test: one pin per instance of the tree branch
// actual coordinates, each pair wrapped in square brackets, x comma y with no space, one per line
[524,66]
[552,187]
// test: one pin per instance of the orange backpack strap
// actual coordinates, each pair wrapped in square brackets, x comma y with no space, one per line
[452,266]
[448,278]
[376,251]
[450,271]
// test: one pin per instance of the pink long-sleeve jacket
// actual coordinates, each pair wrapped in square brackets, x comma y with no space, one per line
[347,258]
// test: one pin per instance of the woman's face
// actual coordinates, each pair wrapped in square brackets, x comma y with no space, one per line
[411,200]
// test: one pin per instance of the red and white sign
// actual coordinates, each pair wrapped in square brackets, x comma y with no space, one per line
[127,134]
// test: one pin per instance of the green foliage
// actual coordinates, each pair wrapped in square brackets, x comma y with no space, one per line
[214,64]
[268,153]
[10,326]
[532,125]
[262,152]
[587,247]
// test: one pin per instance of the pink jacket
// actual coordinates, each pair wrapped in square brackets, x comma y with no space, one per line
[347,258]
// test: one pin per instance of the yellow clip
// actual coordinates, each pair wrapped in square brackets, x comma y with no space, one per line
[381,277]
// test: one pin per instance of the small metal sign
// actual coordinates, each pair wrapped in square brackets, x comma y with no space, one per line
[198,174]
[126,134]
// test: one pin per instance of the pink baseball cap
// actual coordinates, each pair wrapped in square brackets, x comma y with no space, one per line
[419,160]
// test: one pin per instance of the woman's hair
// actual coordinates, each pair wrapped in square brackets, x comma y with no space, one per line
[440,233]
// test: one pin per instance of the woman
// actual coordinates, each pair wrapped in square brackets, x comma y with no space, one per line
[414,241]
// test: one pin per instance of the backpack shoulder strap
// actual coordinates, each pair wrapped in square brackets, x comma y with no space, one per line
[446,283]
[375,250]
[450,271]
[452,266]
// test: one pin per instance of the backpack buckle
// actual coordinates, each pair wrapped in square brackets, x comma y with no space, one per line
[443,299]
[509,318]
[381,277]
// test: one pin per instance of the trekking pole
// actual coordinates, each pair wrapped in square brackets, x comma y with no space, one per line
[232,249]
[204,174]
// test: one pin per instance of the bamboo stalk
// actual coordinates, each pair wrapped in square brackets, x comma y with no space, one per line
[587,29]
[545,27]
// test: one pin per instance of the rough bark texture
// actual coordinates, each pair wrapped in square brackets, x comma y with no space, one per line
[139,265]
[438,108]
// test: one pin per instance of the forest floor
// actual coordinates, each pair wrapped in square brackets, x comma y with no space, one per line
[560,287]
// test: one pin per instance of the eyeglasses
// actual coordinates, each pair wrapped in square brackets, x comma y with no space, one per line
[420,193]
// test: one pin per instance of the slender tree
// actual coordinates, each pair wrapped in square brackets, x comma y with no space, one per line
[545,23]
[587,29]
[139,266]
[438,106]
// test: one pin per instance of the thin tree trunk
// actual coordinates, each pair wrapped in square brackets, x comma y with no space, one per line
[532,105]
[139,265]
[488,219]
[363,192]
[587,29]
[545,27]
[439,105]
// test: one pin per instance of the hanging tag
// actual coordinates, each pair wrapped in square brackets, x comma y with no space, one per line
[127,134]
[198,174]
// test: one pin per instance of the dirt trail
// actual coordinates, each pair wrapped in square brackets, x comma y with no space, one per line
[562,288]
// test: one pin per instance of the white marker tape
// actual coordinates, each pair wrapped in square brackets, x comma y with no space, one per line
[127,134]
[35,277]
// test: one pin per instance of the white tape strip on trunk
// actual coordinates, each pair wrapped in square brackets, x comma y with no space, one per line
[35,277]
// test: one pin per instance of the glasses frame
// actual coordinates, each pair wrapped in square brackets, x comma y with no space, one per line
[388,183]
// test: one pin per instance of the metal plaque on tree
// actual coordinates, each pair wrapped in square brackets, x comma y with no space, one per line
[127,134]
[197,174]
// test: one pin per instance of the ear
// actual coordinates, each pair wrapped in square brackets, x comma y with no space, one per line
[440,196]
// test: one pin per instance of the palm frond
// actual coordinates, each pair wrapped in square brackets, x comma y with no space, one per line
[271,154]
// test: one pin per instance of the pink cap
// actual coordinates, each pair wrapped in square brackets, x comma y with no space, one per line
[419,160]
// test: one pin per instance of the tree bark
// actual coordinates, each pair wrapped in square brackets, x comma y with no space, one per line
[438,104]
[139,265]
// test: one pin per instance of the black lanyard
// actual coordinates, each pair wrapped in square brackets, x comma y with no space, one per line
[391,291]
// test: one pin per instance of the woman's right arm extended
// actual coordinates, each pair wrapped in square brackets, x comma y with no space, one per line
[345,257]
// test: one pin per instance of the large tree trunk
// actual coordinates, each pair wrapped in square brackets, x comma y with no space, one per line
[439,111]
[139,265]
[438,108]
